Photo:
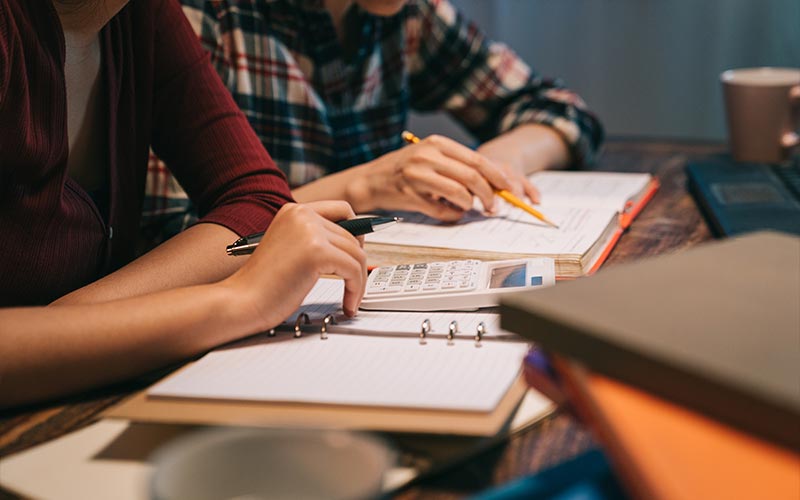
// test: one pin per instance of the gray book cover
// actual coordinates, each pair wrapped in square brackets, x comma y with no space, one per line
[715,328]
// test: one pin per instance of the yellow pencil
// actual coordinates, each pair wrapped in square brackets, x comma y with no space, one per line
[502,193]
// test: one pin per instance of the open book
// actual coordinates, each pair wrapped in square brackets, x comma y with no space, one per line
[591,208]
[370,372]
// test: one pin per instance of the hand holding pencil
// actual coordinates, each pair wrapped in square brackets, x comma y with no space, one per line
[500,191]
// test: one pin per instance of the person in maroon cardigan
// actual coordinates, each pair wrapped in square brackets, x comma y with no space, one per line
[86,88]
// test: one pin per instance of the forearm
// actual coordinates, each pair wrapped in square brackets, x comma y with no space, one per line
[528,148]
[57,350]
[350,185]
[193,257]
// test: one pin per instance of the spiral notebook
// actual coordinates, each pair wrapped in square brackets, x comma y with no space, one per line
[453,373]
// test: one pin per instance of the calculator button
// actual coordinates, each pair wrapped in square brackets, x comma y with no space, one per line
[420,266]
[411,288]
[430,286]
[403,267]
[394,289]
[414,282]
[449,284]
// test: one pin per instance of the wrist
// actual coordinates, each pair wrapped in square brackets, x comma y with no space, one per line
[351,185]
[554,146]
[359,192]
[529,148]
[235,305]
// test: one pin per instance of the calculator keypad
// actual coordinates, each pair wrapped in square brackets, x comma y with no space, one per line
[452,276]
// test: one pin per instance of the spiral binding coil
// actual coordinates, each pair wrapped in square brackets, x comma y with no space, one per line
[425,329]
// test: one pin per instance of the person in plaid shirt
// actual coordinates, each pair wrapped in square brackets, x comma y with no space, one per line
[327,85]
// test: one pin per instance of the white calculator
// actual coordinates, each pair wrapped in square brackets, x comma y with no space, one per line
[458,285]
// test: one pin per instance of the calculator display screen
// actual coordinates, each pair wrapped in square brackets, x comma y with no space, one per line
[507,277]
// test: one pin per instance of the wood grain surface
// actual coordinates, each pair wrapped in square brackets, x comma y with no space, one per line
[671,222]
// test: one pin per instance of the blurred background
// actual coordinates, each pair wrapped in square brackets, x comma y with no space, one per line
[648,68]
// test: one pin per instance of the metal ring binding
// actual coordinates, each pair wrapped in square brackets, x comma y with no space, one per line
[305,320]
[327,320]
[425,329]
[451,332]
[480,332]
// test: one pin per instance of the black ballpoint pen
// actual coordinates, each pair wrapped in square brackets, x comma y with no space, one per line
[358,226]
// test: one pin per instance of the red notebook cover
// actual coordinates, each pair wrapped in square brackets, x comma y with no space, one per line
[631,211]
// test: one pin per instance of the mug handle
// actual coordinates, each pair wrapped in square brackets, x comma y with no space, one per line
[792,139]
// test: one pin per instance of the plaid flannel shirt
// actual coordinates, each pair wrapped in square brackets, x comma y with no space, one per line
[320,105]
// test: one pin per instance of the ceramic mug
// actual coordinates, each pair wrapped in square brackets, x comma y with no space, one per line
[763,113]
[271,464]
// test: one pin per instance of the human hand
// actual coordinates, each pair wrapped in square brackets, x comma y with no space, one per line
[521,186]
[301,244]
[437,177]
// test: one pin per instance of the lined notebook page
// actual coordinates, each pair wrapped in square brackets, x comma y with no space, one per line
[326,298]
[581,203]
[353,370]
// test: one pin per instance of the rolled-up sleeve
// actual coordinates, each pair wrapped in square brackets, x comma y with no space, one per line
[204,137]
[486,86]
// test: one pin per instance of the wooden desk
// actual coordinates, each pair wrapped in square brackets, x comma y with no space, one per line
[670,222]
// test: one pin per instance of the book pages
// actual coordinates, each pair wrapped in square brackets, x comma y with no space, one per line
[511,231]
[585,205]
[589,189]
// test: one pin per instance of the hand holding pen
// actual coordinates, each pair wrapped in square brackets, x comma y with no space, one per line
[356,226]
[301,244]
